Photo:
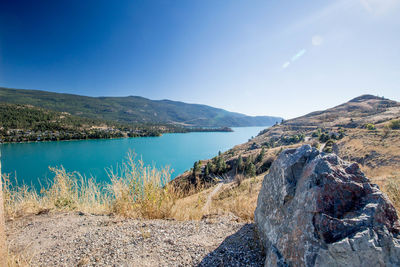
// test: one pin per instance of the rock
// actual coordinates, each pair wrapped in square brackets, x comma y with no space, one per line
[315,209]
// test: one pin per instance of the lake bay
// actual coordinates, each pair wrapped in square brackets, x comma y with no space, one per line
[29,162]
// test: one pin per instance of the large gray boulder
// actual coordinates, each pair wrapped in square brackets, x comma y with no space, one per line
[315,209]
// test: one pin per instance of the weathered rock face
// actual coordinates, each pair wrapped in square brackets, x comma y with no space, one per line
[315,209]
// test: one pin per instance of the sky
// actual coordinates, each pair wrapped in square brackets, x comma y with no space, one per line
[280,58]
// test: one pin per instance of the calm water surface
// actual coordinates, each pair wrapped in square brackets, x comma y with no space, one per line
[30,162]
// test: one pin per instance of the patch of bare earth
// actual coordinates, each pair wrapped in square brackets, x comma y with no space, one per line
[76,239]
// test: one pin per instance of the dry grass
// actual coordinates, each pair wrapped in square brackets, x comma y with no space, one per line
[17,260]
[230,198]
[240,200]
[392,189]
[138,191]
[135,191]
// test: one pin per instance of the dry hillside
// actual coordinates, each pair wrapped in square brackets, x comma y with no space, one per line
[364,130]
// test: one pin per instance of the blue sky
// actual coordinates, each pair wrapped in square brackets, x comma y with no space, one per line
[283,58]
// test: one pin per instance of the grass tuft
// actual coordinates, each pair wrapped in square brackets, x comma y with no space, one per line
[135,191]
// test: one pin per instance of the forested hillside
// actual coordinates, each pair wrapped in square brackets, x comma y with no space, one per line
[134,109]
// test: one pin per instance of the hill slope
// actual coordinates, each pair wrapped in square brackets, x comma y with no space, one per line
[364,130]
[360,110]
[134,109]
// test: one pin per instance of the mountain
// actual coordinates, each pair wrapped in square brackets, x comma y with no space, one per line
[134,109]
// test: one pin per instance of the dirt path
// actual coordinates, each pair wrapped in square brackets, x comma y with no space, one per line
[210,196]
[67,239]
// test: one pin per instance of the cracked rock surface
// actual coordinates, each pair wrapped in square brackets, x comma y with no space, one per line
[315,209]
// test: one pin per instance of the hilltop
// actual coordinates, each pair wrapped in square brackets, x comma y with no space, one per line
[134,109]
[364,130]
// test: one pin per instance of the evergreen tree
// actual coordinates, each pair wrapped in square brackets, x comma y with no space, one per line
[196,168]
[261,155]
[240,165]
[207,169]
[251,170]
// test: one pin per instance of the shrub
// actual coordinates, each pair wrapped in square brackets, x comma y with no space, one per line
[293,139]
[328,148]
[370,127]
[394,125]
[316,133]
[261,155]
[316,144]
[324,137]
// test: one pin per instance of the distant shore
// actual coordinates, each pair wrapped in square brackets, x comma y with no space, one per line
[21,136]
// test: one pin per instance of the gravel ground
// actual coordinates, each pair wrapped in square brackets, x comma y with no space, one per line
[73,239]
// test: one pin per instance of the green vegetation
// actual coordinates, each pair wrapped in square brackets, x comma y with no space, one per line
[260,156]
[325,136]
[240,164]
[196,168]
[21,123]
[133,109]
[370,127]
[293,139]
[250,168]
[328,148]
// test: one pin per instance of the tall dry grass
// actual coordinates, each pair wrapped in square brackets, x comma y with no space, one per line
[392,189]
[135,190]
[141,191]
[238,198]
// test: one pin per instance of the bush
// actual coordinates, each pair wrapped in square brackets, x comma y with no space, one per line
[370,127]
[316,133]
[293,139]
[328,148]
[394,125]
[324,137]
[316,144]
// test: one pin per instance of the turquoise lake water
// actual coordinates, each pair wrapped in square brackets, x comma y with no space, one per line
[29,162]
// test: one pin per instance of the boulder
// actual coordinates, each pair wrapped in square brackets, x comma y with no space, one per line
[315,209]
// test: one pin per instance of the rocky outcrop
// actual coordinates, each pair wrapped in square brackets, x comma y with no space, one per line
[315,209]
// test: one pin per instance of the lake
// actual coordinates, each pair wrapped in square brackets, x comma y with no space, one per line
[29,162]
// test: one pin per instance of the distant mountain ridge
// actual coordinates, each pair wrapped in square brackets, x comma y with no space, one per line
[134,109]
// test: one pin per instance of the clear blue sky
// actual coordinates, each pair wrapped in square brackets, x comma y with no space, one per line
[283,58]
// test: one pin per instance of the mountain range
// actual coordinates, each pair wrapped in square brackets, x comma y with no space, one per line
[134,109]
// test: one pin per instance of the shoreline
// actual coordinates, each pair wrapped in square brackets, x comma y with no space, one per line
[197,130]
